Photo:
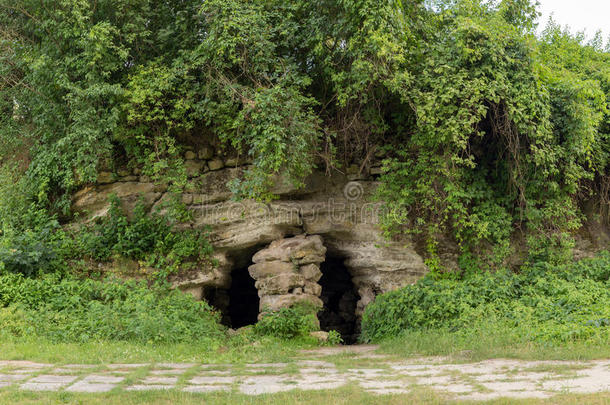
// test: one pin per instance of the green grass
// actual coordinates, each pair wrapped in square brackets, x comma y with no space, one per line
[41,350]
[347,395]
[492,342]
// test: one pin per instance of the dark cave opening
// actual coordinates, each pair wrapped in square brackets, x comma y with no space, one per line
[340,300]
[243,299]
[238,304]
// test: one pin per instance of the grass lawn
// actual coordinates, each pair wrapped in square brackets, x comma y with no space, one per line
[480,345]
[237,351]
[263,350]
[490,344]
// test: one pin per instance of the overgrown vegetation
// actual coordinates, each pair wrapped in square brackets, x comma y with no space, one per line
[71,310]
[492,138]
[287,323]
[148,237]
[543,304]
[490,131]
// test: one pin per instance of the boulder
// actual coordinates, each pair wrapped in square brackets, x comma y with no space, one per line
[281,284]
[265,270]
[311,272]
[105,178]
[320,335]
[194,167]
[276,302]
[299,250]
[205,153]
[216,164]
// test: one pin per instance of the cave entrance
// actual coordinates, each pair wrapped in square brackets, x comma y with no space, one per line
[239,303]
[243,299]
[340,300]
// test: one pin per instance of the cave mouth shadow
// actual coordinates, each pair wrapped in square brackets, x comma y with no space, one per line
[340,299]
[243,299]
[239,303]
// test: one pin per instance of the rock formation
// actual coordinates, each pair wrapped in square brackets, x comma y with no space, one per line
[288,271]
[333,210]
[269,239]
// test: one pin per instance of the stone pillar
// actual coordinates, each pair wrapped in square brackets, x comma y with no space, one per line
[288,271]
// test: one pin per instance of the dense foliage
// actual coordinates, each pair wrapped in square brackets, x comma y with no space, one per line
[71,310]
[287,323]
[544,303]
[488,129]
[149,238]
[492,137]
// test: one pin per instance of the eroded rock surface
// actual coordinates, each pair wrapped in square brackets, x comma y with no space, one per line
[336,207]
[287,272]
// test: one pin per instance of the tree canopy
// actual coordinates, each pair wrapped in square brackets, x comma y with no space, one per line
[488,129]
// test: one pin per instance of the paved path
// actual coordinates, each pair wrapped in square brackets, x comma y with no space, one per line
[475,381]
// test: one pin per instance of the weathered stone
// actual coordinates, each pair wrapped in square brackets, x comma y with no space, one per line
[353,169]
[194,167]
[299,250]
[312,288]
[195,291]
[187,199]
[216,164]
[105,178]
[232,161]
[354,177]
[95,201]
[160,187]
[160,380]
[260,271]
[275,302]
[129,178]
[48,382]
[207,276]
[320,335]
[146,387]
[311,272]
[123,171]
[190,155]
[96,383]
[348,225]
[205,153]
[280,284]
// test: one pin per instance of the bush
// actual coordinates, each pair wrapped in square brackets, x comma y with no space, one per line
[27,253]
[70,310]
[287,323]
[148,237]
[334,338]
[544,303]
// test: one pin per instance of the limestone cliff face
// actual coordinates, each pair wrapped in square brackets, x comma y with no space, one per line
[335,208]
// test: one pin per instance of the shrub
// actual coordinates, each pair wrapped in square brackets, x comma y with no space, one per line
[545,303]
[287,323]
[36,245]
[26,254]
[147,237]
[82,310]
[334,338]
